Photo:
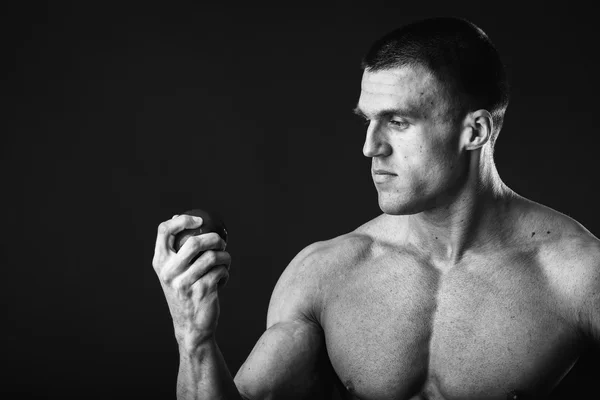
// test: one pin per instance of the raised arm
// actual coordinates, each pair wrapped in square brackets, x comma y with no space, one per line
[191,291]
[289,361]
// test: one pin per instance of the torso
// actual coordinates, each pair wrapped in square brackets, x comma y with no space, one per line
[497,325]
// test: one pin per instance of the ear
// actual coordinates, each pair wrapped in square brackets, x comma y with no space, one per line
[477,129]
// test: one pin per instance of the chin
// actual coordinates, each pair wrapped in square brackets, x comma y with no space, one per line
[398,206]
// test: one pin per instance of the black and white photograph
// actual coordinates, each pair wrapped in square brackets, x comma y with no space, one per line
[376,200]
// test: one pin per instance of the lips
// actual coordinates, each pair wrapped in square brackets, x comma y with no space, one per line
[382,172]
[383,177]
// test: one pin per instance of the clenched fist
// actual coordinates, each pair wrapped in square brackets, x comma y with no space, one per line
[191,285]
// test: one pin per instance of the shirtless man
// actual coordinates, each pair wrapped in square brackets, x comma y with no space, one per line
[461,289]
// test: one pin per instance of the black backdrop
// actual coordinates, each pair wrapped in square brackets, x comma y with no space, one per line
[115,117]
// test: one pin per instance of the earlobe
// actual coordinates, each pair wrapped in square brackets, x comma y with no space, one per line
[479,126]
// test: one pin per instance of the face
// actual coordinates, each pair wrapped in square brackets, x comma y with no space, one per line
[412,138]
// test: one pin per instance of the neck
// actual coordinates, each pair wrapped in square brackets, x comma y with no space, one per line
[473,217]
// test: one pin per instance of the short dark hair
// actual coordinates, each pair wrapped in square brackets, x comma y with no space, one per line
[458,53]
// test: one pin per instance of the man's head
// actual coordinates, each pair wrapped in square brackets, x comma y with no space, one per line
[458,54]
[432,91]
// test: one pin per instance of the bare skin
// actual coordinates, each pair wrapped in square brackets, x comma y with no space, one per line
[400,325]
[460,290]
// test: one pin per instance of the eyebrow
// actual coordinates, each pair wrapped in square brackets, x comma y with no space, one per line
[408,112]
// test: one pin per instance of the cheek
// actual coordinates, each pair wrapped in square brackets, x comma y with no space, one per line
[427,156]
[437,164]
[449,170]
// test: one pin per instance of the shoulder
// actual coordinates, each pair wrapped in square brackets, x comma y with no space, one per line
[563,244]
[554,234]
[575,272]
[304,283]
[571,264]
[570,258]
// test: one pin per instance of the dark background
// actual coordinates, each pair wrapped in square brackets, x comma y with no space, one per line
[116,117]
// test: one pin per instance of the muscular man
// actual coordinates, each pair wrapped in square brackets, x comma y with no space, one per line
[461,289]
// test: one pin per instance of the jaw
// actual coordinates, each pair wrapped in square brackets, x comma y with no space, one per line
[425,194]
[398,203]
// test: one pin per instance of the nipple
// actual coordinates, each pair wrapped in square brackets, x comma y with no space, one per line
[516,395]
[349,386]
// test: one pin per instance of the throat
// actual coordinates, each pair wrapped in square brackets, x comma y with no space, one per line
[444,246]
[448,232]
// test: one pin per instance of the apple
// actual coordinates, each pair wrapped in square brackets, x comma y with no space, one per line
[210,223]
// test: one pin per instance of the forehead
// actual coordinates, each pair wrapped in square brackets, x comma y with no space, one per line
[406,87]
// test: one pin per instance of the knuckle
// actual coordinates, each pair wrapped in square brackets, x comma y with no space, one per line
[210,256]
[214,237]
[202,288]
[159,260]
[210,239]
[189,220]
[155,263]
[196,242]
[165,277]
[176,285]
[163,228]
[179,286]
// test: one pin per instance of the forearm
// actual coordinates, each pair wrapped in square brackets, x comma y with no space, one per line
[203,374]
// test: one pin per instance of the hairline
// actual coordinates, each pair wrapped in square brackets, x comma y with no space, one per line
[453,96]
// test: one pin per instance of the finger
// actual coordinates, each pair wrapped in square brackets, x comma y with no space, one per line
[167,229]
[171,238]
[202,267]
[196,244]
[211,281]
[218,276]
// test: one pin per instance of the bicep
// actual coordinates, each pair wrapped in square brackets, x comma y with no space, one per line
[587,298]
[593,316]
[288,361]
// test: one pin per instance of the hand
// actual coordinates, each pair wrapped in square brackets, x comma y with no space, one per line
[191,290]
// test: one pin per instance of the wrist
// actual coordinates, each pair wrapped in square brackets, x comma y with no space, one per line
[193,343]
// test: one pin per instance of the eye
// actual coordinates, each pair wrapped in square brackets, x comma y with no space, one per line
[399,124]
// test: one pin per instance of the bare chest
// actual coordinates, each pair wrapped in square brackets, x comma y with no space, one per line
[400,329]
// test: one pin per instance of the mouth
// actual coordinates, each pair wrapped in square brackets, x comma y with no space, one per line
[382,172]
[381,176]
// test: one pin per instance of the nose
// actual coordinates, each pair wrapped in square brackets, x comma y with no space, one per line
[376,144]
